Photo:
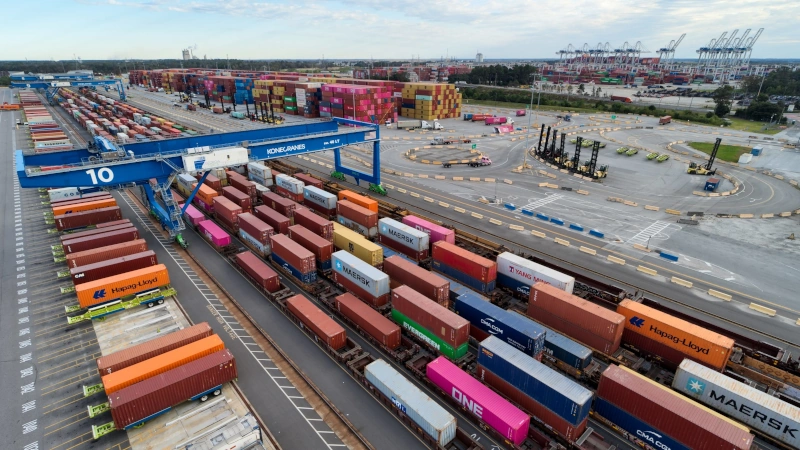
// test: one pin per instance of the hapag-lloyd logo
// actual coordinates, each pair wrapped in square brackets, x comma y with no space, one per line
[653,438]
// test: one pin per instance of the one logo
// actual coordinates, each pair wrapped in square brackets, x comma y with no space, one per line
[637,322]
[99,294]
[695,386]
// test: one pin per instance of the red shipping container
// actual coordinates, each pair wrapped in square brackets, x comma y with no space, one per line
[357,214]
[321,248]
[402,272]
[87,218]
[573,330]
[316,224]
[78,201]
[308,180]
[445,324]
[85,197]
[351,286]
[276,220]
[482,269]
[297,198]
[100,240]
[113,223]
[143,399]
[262,274]
[240,198]
[111,267]
[280,204]
[255,227]
[325,328]
[92,232]
[398,247]
[99,254]
[293,253]
[227,210]
[243,184]
[212,182]
[372,322]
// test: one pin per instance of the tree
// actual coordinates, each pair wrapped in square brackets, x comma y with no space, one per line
[723,98]
[581,89]
[594,91]
[599,90]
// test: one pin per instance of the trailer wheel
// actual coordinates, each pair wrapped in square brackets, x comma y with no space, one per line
[217,392]
[151,304]
[203,398]
[161,301]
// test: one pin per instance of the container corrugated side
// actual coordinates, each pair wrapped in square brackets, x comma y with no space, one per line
[520,332]
[316,224]
[262,274]
[369,283]
[465,261]
[403,272]
[372,322]
[440,328]
[354,243]
[317,321]
[654,437]
[276,220]
[95,231]
[519,274]
[96,255]
[118,286]
[320,247]
[360,200]
[437,233]
[291,184]
[111,267]
[214,233]
[100,240]
[87,218]
[566,350]
[404,235]
[319,197]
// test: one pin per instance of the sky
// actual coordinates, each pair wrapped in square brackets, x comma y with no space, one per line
[362,29]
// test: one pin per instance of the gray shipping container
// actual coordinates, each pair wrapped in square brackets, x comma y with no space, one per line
[259,170]
[420,408]
[404,235]
[754,408]
[319,197]
[291,184]
[358,228]
[362,274]
[186,180]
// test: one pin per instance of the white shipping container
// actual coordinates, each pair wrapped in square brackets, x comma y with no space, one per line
[319,197]
[528,272]
[262,181]
[425,412]
[260,189]
[404,235]
[224,157]
[362,274]
[186,180]
[754,408]
[68,193]
[259,170]
[291,184]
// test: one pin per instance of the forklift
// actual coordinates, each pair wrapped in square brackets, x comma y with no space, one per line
[696,169]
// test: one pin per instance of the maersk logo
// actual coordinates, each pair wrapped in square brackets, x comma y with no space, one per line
[637,322]
[695,386]
[400,236]
[383,228]
[493,329]
[338,265]
[653,438]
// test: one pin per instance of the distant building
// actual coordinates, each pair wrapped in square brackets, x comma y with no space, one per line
[479,58]
[186,55]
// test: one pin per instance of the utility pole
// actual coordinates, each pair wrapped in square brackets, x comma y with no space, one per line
[528,133]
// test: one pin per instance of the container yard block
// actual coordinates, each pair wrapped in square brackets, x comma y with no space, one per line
[582,192]
[425,161]
[576,227]
[713,194]
[314,161]
[423,176]
[651,208]
[588,250]
[779,177]
[577,175]
[597,233]
[641,247]
[414,194]
[428,199]
[444,205]
[437,163]
[793,182]
[477,216]
[669,256]
[401,190]
[646,270]
[552,186]
[674,212]
[409,175]
[517,227]
[616,260]
[746,216]
[538,234]
[495,221]
[763,309]
[720,295]
[767,216]
[563,242]
[563,170]
[458,178]
[682,282]
[461,210]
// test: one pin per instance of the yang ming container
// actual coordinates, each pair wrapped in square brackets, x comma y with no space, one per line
[320,201]
[519,274]
[100,254]
[314,223]
[479,400]
[87,218]
[276,220]
[293,258]
[320,323]
[464,266]
[366,282]
[402,272]
[214,233]
[357,218]
[259,271]
[566,350]
[432,323]
[118,286]
[487,319]
[321,248]
[407,240]
[383,330]
[434,420]
[100,240]
[356,244]
[436,232]
[111,267]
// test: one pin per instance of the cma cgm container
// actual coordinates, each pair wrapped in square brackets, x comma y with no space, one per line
[255,233]
[238,197]
[259,271]
[407,240]
[561,395]
[160,393]
[100,240]
[227,213]
[358,219]
[214,233]
[366,282]
[284,206]
[685,421]
[279,223]
[479,400]
[752,407]
[152,348]
[673,339]
[111,267]
[402,272]
[352,242]
[314,223]
[84,206]
[430,322]
[320,201]
[317,321]
[100,254]
[321,248]
[308,180]
[293,258]
[435,232]
[464,266]
[590,324]
[566,350]
[118,286]
[487,319]
[193,216]
[289,187]
[519,274]
[360,200]
[87,218]
[434,420]
[372,322]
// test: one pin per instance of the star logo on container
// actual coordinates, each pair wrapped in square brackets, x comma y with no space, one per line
[695,386]
[338,265]
[341,220]
[383,228]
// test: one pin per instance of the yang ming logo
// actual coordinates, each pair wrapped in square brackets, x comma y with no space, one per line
[695,386]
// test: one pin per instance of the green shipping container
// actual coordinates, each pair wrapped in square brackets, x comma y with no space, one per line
[432,340]
[192,132]
[179,127]
[289,99]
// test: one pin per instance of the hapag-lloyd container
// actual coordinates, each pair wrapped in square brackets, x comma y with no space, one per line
[433,324]
[87,218]
[193,216]
[314,223]
[403,272]
[482,402]
[437,233]
[118,286]
[293,258]
[514,329]
[111,267]
[519,274]
[325,328]
[100,240]
[383,330]
[319,200]
[291,184]
[99,254]
[424,411]
[259,271]
[321,248]
[366,282]
[279,223]
[214,233]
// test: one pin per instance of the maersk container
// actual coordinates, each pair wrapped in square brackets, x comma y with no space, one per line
[479,400]
[568,399]
[291,184]
[519,274]
[514,329]
[316,197]
[566,350]
[752,407]
[364,281]
[424,411]
[404,235]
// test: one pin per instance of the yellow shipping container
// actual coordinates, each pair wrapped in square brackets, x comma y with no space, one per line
[354,243]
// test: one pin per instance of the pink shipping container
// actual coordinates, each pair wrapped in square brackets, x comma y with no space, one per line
[214,233]
[437,233]
[482,402]
[209,209]
[193,216]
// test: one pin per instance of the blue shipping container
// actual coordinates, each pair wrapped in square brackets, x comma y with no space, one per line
[520,332]
[636,427]
[461,277]
[303,277]
[457,290]
[566,398]
[516,286]
[387,252]
[566,350]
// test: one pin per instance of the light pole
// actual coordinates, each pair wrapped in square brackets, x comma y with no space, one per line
[527,135]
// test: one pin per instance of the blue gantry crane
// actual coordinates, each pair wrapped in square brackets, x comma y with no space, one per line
[51,85]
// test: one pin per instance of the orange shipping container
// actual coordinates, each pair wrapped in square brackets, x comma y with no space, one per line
[112,288]
[206,194]
[668,332]
[360,200]
[161,363]
[86,206]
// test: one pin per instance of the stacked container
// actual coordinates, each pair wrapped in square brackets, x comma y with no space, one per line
[101,254]
[259,173]
[464,266]
[566,350]
[192,215]
[227,213]
[283,205]
[316,224]
[320,201]
[352,242]
[289,187]
[435,232]
[383,330]
[402,272]
[519,274]
[103,239]
[238,197]
[321,248]
[357,218]
[431,323]
[403,238]
[360,200]
[255,233]
[356,102]
[279,223]
[429,101]
[366,282]
[293,258]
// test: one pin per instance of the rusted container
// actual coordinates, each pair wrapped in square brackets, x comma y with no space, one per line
[283,205]
[276,220]
[372,322]
[227,212]
[92,232]
[314,223]
[238,197]
[99,254]
[402,272]
[320,323]
[293,257]
[100,240]
[111,267]
[360,200]
[308,180]
[320,247]
[129,283]
[442,323]
[259,271]
[87,218]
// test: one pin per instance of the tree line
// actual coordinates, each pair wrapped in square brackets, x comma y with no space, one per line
[498,75]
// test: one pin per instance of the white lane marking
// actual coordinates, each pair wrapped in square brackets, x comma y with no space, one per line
[644,236]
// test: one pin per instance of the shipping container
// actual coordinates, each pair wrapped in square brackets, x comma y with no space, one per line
[149,349]
[79,201]
[366,282]
[238,197]
[259,170]
[279,223]
[687,422]
[243,184]
[186,180]
[684,338]
[319,200]
[473,283]
[372,322]
[316,224]
[130,283]
[325,328]
[464,261]
[566,350]
[587,322]
[360,200]
[214,233]
[212,182]
[261,273]
[519,274]
[86,218]
[291,185]
[205,193]
[479,400]
[402,272]
[84,206]
[358,219]
[437,326]
[255,227]
[356,244]
[227,212]
[100,240]
[434,420]
[404,239]
[94,231]
[100,254]
[111,267]
[653,437]
[280,204]
[193,216]
[514,329]
[435,232]
[321,248]
[61,194]
[157,394]
[293,258]
[113,223]
[753,407]
[309,180]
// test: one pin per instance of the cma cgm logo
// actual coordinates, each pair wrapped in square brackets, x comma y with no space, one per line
[653,438]
[399,405]
[489,323]
[99,294]
[695,386]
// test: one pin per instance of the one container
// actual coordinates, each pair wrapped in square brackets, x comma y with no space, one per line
[255,227]
[566,350]
[673,338]
[308,180]
[752,407]
[154,395]
[290,255]
[279,223]
[321,248]
[283,205]
[464,266]
[383,330]
[405,239]
[320,323]
[87,218]
[227,213]
[240,198]
[260,170]
[205,193]
[360,200]
[424,411]
[100,240]
[243,184]
[95,231]
[100,254]
[590,324]
[259,271]
[519,274]
[360,220]
[437,233]
[366,282]
[214,233]
[111,267]
[291,185]
[193,215]
[319,200]
[563,396]
[479,400]
[402,272]
[488,319]
[352,242]
[118,286]
[152,348]
[686,421]
[314,223]
[84,206]
[437,326]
